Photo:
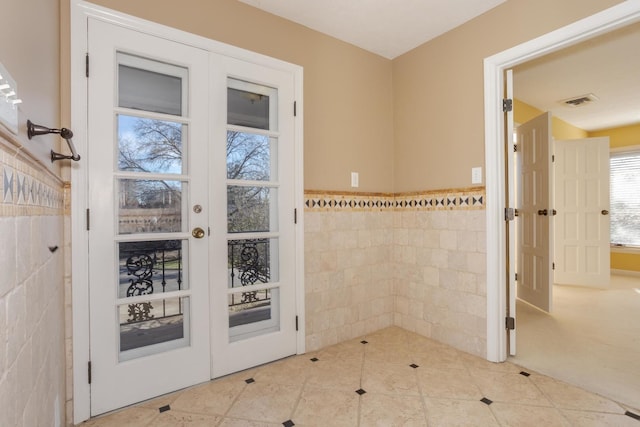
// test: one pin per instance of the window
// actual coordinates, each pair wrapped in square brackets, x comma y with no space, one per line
[625,197]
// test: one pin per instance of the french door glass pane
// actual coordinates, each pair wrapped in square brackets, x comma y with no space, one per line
[250,156]
[150,85]
[153,326]
[150,206]
[253,313]
[151,267]
[251,209]
[252,262]
[246,108]
[151,145]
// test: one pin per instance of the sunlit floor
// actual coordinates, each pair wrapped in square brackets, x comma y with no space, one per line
[388,378]
[591,338]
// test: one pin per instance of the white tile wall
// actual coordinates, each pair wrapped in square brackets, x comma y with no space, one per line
[32,358]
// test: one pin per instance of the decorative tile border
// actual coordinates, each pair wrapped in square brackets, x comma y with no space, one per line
[458,199]
[26,187]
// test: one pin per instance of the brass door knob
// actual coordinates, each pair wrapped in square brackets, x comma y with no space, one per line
[198,233]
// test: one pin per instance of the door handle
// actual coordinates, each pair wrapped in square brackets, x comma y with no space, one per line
[604,212]
[198,233]
[542,212]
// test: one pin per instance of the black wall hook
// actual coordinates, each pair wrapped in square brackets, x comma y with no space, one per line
[35,130]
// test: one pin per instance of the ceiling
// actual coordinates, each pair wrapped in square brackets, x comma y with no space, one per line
[607,66]
[369,23]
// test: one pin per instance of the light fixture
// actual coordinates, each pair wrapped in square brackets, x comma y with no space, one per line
[35,130]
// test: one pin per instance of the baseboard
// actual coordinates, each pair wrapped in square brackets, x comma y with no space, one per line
[625,272]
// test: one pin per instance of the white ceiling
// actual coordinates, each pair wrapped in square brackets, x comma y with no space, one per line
[607,66]
[386,27]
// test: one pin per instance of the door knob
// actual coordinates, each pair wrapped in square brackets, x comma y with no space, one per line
[198,233]
[542,212]
[604,212]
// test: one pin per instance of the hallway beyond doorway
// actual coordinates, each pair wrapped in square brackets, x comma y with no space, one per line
[591,339]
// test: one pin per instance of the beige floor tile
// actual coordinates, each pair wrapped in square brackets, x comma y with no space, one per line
[322,407]
[459,413]
[389,354]
[336,374]
[184,419]
[448,383]
[382,410]
[566,396]
[293,370]
[380,377]
[595,419]
[438,359]
[352,349]
[237,422]
[475,363]
[511,388]
[266,402]
[130,417]
[510,415]
[161,401]
[214,398]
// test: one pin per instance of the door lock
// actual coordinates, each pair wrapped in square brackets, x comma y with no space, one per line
[198,233]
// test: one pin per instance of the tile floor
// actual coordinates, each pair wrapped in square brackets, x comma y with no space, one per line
[389,378]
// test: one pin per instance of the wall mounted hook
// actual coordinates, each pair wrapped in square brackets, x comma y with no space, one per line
[35,130]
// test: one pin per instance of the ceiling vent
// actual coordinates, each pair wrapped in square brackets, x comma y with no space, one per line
[579,101]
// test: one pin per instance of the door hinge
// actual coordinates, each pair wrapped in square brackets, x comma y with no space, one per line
[516,276]
[89,371]
[296,323]
[515,148]
[88,219]
[510,323]
[86,65]
[507,105]
[553,265]
[295,108]
[295,215]
[510,214]
[553,158]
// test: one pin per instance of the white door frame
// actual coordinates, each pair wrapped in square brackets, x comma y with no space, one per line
[610,19]
[80,11]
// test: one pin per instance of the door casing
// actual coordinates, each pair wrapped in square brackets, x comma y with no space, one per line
[616,17]
[80,11]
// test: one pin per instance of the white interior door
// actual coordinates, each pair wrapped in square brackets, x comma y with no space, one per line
[582,202]
[253,283]
[535,213]
[148,274]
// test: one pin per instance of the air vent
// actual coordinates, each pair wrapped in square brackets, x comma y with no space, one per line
[579,101]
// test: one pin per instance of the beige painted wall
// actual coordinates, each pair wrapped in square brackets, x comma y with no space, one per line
[347,91]
[32,59]
[438,90]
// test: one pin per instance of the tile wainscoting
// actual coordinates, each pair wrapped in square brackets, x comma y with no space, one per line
[32,318]
[415,260]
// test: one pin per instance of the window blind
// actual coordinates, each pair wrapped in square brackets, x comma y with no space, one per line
[625,198]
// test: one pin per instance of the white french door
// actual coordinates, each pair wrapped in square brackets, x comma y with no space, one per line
[191,193]
[148,274]
[253,290]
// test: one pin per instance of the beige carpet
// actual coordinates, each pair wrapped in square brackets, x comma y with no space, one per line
[591,339]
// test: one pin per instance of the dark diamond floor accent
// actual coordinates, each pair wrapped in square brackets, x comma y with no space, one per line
[486,401]
[288,423]
[414,366]
[360,391]
[632,415]
[525,374]
[250,380]
[164,408]
[314,359]
[364,342]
